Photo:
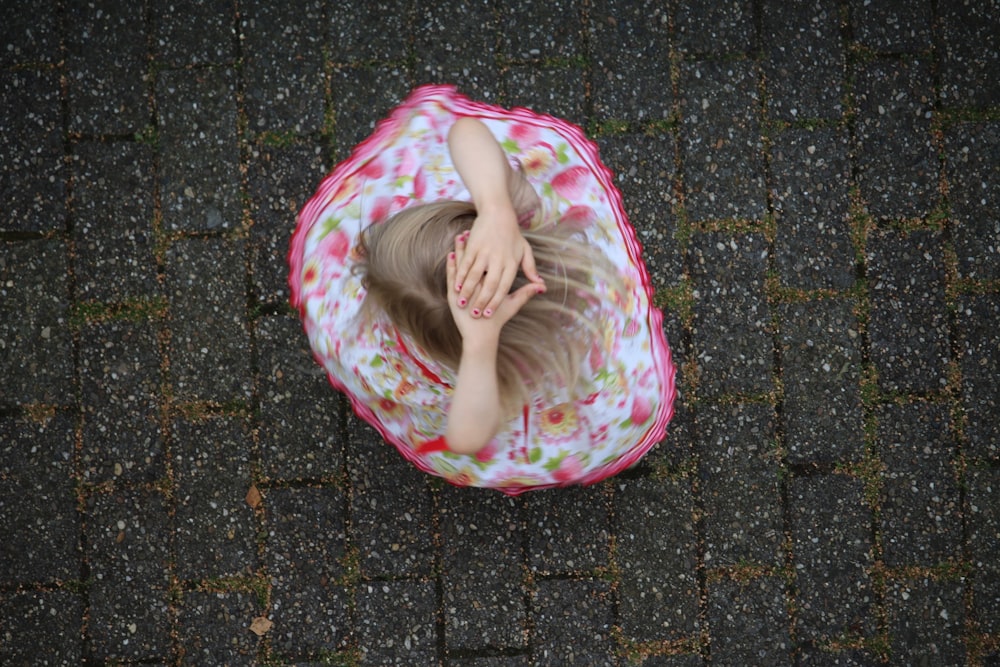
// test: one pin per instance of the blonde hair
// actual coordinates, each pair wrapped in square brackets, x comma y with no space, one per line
[542,348]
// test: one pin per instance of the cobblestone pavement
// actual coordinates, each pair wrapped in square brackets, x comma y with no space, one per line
[816,184]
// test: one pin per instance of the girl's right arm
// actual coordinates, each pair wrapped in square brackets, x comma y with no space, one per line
[496,248]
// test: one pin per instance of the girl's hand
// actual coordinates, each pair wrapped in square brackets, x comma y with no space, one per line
[492,253]
[467,314]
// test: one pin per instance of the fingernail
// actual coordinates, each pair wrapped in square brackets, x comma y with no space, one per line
[487,312]
[462,302]
[451,255]
[475,312]
[458,287]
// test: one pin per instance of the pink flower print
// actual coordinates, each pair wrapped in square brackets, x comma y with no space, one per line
[487,453]
[373,169]
[632,327]
[569,469]
[406,163]
[571,183]
[642,409]
[578,217]
[335,245]
[536,161]
[380,209]
[419,184]
[523,134]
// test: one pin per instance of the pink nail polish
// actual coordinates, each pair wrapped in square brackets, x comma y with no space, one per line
[462,302]
[475,312]
[487,312]
[458,287]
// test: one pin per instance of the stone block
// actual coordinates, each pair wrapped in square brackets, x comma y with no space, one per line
[121,390]
[38,513]
[821,362]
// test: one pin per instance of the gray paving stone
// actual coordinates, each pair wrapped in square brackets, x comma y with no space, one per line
[121,392]
[556,91]
[106,67]
[214,628]
[893,26]
[214,528]
[532,30]
[813,656]
[972,154]
[657,556]
[457,42]
[573,623]
[811,176]
[482,577]
[748,622]
[675,452]
[38,514]
[921,523]
[128,540]
[305,550]
[113,221]
[730,329]
[397,623]
[628,79]
[926,620]
[715,26]
[832,551]
[970,32]
[909,325]
[209,343]
[721,143]
[392,512]
[193,32]
[42,628]
[979,322]
[283,65]
[370,31]
[362,97]
[821,364]
[281,180]
[738,469]
[680,660]
[300,428]
[32,174]
[898,166]
[491,661]
[804,59]
[29,36]
[644,173]
[36,356]
[983,498]
[199,151]
[569,530]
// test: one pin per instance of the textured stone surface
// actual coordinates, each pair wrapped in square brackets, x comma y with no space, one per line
[909,325]
[831,542]
[815,188]
[820,356]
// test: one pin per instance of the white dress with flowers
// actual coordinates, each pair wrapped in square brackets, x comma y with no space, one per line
[624,400]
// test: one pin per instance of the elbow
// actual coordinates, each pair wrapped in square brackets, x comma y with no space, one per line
[468,443]
[465,446]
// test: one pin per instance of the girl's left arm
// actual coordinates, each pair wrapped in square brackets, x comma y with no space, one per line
[476,411]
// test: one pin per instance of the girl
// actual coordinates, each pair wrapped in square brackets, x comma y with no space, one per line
[495,337]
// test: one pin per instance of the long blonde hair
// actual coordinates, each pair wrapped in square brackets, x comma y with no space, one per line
[403,267]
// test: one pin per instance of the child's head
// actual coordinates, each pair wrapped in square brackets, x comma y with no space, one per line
[403,267]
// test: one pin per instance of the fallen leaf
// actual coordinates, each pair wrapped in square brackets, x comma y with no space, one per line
[260,625]
[253,497]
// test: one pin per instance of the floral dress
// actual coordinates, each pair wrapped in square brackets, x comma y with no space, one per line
[624,400]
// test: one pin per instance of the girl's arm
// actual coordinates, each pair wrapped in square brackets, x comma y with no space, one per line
[476,412]
[496,248]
